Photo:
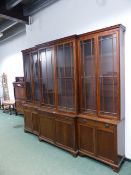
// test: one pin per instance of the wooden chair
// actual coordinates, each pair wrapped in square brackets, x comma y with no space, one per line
[8,106]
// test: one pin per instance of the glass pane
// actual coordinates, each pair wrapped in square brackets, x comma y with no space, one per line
[36,91]
[89,94]
[50,85]
[35,65]
[27,77]
[51,98]
[69,60]
[28,90]
[88,57]
[108,95]
[43,63]
[66,94]
[69,94]
[88,78]
[61,93]
[27,67]
[108,75]
[47,65]
[60,61]
[50,67]
[107,55]
[45,96]
[65,75]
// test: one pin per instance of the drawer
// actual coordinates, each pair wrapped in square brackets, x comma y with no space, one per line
[64,118]
[106,126]
[86,121]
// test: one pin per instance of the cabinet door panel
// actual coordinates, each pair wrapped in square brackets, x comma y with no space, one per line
[65,133]
[47,129]
[28,120]
[35,120]
[105,143]
[86,138]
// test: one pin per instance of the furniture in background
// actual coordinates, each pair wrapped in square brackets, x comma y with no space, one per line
[75,94]
[19,94]
[8,106]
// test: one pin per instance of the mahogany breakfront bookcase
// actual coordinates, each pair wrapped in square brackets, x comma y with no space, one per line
[75,94]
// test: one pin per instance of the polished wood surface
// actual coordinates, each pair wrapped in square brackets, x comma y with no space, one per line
[73,94]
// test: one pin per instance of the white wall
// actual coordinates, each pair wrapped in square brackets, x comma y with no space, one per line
[68,17]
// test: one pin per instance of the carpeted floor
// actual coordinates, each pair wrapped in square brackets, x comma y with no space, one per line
[22,154]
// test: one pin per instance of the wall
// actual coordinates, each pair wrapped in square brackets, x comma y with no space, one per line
[68,17]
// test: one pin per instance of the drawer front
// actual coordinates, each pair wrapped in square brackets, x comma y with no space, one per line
[106,126]
[86,121]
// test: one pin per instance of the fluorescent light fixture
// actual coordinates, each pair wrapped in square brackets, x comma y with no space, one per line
[1,34]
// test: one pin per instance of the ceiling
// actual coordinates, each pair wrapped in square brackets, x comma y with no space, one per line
[15,14]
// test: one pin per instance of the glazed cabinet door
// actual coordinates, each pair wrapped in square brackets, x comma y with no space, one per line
[108,75]
[27,76]
[86,136]
[47,76]
[87,79]
[47,127]
[65,75]
[106,146]
[28,120]
[35,77]
[65,132]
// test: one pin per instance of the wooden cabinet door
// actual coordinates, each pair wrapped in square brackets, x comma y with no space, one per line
[47,127]
[28,120]
[86,136]
[106,142]
[35,120]
[65,132]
